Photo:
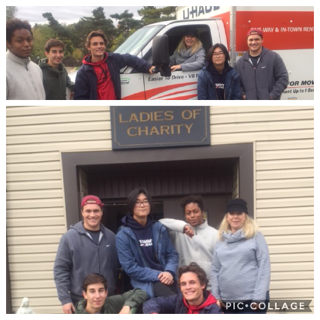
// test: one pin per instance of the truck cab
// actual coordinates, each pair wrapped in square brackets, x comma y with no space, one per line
[179,85]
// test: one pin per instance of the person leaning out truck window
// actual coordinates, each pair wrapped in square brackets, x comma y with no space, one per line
[190,54]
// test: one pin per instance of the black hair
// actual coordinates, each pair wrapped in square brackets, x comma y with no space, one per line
[214,47]
[13,25]
[132,198]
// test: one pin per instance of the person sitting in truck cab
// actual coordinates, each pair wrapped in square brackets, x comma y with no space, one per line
[217,80]
[190,54]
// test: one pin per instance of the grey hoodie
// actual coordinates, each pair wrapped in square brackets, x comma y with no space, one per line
[267,81]
[77,256]
[240,268]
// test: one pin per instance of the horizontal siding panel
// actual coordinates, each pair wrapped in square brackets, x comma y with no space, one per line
[33,249]
[35,275]
[284,193]
[35,213]
[24,267]
[20,231]
[27,258]
[284,145]
[281,276]
[285,184]
[36,222]
[289,239]
[34,185]
[20,285]
[292,266]
[259,136]
[291,248]
[285,202]
[285,212]
[13,241]
[284,164]
[102,144]
[229,114]
[292,284]
[34,176]
[262,125]
[38,303]
[53,110]
[34,293]
[284,154]
[285,174]
[287,230]
[58,118]
[26,204]
[292,257]
[287,221]
[30,158]
[34,194]
[47,310]
[57,137]
[33,167]
[60,128]
[298,294]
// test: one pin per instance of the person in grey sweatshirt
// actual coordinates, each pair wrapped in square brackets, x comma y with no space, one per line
[263,74]
[87,247]
[23,77]
[240,270]
[193,238]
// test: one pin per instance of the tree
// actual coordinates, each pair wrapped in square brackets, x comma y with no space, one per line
[41,34]
[151,14]
[61,32]
[11,12]
[96,22]
[126,23]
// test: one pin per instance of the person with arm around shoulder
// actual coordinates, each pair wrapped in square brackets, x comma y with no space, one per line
[190,54]
[240,270]
[193,238]
[217,80]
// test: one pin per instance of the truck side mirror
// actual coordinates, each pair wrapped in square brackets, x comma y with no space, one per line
[160,54]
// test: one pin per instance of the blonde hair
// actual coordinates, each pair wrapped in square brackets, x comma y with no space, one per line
[195,47]
[249,228]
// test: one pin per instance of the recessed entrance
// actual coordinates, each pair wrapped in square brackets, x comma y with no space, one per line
[217,172]
[167,182]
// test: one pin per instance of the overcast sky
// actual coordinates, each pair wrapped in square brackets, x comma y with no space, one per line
[68,14]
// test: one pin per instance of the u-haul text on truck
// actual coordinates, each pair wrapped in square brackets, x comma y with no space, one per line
[288,30]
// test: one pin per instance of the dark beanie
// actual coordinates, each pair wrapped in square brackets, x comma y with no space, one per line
[237,205]
[191,31]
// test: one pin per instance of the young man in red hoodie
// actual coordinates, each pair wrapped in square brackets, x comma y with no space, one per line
[193,299]
[99,76]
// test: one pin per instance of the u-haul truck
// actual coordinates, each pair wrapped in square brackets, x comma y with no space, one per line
[287,30]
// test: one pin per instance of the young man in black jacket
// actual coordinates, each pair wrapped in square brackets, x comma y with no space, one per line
[99,76]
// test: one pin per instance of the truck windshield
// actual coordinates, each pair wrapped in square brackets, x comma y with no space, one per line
[137,41]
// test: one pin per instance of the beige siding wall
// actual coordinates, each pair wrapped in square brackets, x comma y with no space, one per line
[283,142]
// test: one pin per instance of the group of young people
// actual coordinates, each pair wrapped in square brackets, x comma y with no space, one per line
[174,266]
[260,74]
